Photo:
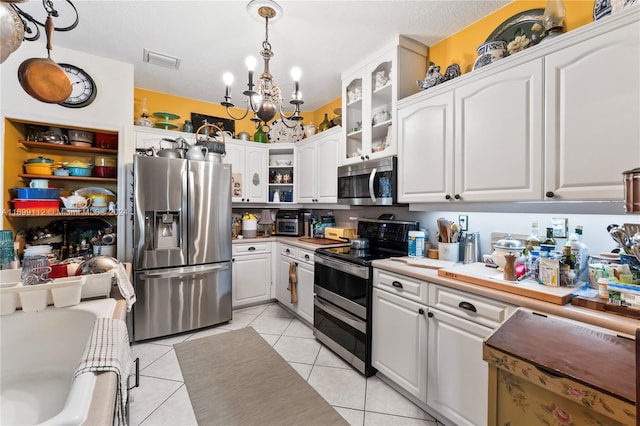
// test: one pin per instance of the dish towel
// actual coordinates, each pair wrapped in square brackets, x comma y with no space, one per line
[293,281]
[108,350]
[125,286]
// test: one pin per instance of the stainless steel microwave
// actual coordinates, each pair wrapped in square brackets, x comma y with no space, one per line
[370,183]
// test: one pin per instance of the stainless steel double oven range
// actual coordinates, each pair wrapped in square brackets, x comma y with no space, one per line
[343,282]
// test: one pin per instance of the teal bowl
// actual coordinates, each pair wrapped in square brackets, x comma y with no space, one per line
[79,171]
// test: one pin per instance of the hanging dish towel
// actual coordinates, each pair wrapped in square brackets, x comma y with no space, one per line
[108,350]
[125,287]
[293,281]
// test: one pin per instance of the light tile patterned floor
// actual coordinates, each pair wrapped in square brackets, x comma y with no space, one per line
[162,397]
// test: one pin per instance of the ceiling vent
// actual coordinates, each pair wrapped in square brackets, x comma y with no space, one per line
[157,58]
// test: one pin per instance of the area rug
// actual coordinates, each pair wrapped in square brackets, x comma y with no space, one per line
[237,378]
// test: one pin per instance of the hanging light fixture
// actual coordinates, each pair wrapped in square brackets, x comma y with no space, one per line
[266,100]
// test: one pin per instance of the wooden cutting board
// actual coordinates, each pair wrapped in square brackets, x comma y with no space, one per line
[424,262]
[604,306]
[321,241]
[477,273]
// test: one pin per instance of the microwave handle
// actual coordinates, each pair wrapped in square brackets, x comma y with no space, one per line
[372,177]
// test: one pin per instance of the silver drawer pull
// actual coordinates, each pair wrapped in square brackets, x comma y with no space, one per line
[468,306]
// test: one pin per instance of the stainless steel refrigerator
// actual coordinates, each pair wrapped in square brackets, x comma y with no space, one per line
[182,252]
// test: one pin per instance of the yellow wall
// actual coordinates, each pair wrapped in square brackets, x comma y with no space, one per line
[184,107]
[461,47]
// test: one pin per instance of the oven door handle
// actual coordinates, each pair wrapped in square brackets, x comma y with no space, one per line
[346,267]
[348,319]
[372,177]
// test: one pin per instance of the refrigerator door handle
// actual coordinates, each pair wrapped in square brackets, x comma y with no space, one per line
[173,274]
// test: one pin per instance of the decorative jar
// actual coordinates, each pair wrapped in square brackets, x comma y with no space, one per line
[490,52]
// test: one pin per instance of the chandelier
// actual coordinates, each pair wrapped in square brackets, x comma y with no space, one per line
[264,99]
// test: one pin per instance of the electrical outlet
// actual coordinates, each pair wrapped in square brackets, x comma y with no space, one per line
[463,221]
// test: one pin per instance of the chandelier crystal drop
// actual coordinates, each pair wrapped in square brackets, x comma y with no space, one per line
[264,98]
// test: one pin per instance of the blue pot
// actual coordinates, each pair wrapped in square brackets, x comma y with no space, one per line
[79,171]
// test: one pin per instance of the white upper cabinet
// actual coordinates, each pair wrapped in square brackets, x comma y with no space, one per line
[317,167]
[592,112]
[248,171]
[498,136]
[547,123]
[369,94]
[425,149]
[479,142]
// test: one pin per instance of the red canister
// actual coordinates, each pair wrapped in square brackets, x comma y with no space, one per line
[58,271]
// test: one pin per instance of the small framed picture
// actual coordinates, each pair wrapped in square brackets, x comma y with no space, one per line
[226,124]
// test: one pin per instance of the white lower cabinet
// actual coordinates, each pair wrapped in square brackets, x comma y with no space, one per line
[457,384]
[251,274]
[427,339]
[399,341]
[303,261]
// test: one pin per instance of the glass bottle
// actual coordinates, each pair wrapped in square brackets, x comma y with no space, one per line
[553,18]
[533,239]
[187,127]
[549,244]
[567,267]
[325,124]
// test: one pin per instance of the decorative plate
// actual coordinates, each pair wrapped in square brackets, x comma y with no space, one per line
[280,133]
[601,8]
[519,24]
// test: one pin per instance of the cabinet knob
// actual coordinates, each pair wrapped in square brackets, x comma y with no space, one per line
[251,249]
[468,306]
[366,157]
[457,196]
[447,197]
[362,157]
[421,311]
[430,314]
[233,259]
[287,251]
[397,284]
[248,200]
[306,256]
[550,194]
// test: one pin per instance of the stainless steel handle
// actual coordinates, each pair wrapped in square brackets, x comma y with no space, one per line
[350,320]
[172,273]
[372,177]
[349,268]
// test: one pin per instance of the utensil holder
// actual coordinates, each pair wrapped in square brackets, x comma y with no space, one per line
[449,251]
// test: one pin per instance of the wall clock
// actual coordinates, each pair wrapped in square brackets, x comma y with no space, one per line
[83,88]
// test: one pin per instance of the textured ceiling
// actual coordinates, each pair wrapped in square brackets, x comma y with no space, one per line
[323,38]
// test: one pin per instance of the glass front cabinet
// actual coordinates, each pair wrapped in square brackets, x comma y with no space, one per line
[369,95]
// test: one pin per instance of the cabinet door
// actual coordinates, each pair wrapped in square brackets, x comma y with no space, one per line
[235,156]
[326,174]
[306,172]
[353,88]
[378,132]
[498,149]
[592,126]
[457,375]
[251,279]
[305,292]
[255,179]
[282,294]
[425,138]
[399,341]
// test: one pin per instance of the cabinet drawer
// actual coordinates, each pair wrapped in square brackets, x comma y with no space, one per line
[250,248]
[305,256]
[401,285]
[481,310]
[289,251]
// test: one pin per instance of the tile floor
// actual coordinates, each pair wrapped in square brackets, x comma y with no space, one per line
[162,397]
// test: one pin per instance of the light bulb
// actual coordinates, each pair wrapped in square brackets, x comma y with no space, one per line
[250,62]
[296,73]
[228,78]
